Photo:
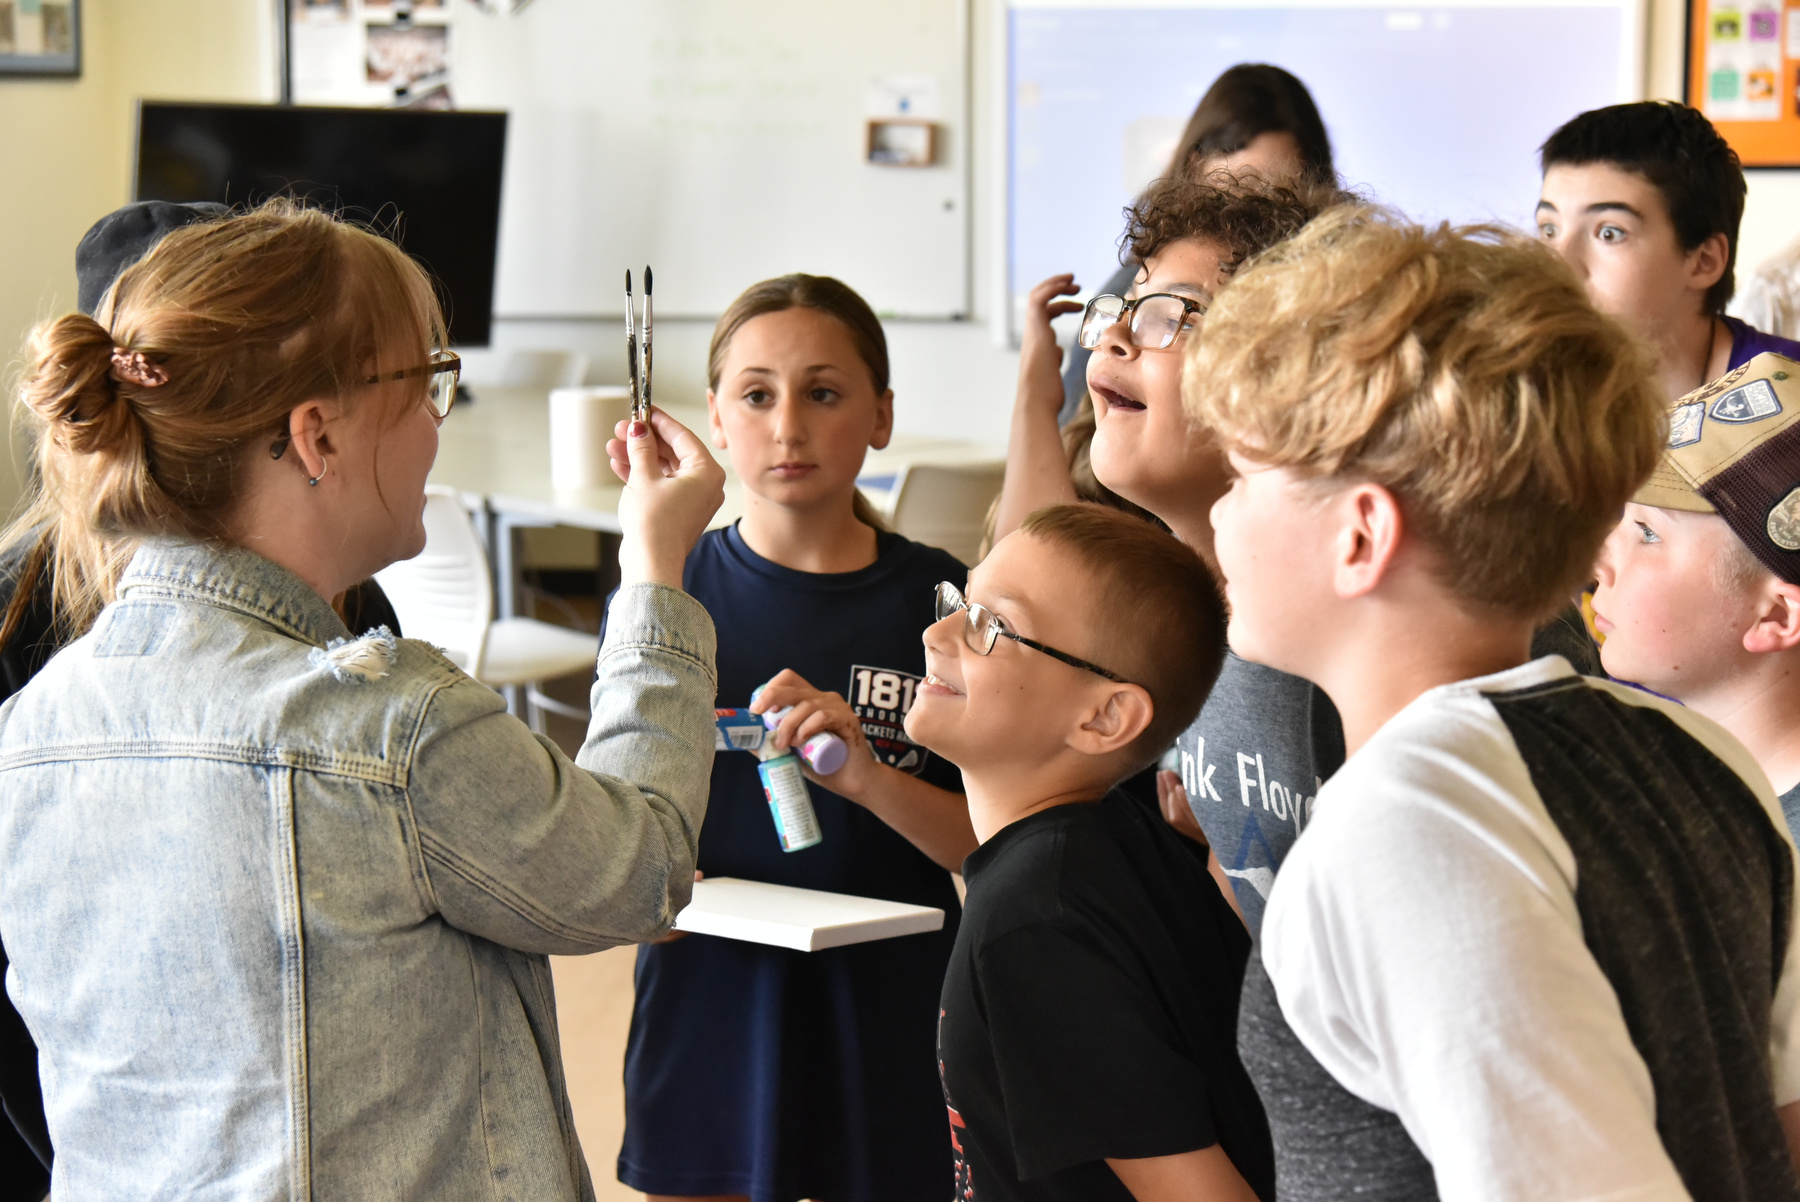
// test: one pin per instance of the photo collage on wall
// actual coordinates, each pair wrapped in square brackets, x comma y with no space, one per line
[371,52]
[40,37]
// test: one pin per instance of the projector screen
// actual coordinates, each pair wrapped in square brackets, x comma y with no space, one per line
[1438,110]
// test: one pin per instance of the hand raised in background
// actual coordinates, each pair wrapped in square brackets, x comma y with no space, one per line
[1040,359]
[673,486]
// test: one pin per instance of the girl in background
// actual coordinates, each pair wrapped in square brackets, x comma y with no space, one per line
[1255,119]
[754,1071]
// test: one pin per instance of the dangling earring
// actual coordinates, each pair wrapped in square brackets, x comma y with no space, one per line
[314,480]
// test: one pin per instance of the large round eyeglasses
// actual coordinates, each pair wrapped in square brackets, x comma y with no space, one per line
[1155,320]
[983,627]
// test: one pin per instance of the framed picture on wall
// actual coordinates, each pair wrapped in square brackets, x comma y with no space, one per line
[40,37]
[1743,72]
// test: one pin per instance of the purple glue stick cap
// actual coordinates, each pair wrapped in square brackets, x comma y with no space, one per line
[825,752]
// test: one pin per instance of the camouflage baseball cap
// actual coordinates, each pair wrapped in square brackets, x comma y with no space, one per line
[1734,450]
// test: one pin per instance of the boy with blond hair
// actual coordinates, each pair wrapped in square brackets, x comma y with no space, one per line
[1699,583]
[1538,941]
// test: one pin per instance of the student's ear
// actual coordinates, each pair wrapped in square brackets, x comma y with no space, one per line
[1707,262]
[884,420]
[1777,625]
[1121,715]
[1368,538]
[712,421]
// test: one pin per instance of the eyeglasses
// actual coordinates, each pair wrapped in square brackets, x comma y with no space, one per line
[1156,320]
[984,627]
[441,373]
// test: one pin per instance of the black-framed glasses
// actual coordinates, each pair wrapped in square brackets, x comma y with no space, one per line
[1154,321]
[984,627]
[442,373]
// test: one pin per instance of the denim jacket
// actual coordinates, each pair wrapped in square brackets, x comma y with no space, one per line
[278,916]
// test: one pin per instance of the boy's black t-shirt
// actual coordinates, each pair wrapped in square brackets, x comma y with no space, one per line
[1090,1010]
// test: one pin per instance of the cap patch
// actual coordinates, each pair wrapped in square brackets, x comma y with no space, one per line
[1684,424]
[1784,522]
[1751,403]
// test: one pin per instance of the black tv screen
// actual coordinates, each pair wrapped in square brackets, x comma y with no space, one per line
[429,180]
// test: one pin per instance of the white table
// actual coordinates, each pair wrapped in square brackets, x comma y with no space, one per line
[495,451]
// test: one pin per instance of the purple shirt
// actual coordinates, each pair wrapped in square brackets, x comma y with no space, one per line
[1747,342]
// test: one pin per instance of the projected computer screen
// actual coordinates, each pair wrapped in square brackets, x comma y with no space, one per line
[1437,110]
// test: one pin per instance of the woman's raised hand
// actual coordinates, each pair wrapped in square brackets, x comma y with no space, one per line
[673,486]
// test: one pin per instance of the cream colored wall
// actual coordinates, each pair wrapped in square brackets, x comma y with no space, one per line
[67,143]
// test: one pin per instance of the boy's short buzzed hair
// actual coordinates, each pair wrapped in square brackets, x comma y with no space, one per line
[1161,620]
[1676,149]
[1462,369]
[1241,214]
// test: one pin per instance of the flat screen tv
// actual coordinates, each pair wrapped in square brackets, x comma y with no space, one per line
[429,180]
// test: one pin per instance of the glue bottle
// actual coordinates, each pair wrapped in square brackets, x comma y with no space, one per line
[789,800]
[825,752]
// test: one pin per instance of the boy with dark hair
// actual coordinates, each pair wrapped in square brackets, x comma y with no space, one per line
[1539,940]
[1699,583]
[1087,1031]
[1643,201]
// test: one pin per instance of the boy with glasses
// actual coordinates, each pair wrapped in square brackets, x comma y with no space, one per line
[1086,1036]
[1252,760]
[1539,941]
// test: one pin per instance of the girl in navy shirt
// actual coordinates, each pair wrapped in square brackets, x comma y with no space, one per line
[754,1071]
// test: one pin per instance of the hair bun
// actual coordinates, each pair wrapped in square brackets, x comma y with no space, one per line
[70,384]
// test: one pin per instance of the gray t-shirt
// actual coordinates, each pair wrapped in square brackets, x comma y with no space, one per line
[1265,741]
[1790,809]
[1252,763]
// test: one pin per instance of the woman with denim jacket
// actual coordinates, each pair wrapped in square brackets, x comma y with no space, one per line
[277,894]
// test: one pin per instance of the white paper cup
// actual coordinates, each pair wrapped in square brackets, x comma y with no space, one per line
[581,421]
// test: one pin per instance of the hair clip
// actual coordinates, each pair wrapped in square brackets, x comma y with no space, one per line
[135,368]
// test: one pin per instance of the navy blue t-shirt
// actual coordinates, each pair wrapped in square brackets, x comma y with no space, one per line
[782,1074]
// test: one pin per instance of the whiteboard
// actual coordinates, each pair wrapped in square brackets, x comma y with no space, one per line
[1435,108]
[722,142]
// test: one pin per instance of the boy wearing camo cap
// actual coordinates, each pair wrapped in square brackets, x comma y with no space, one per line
[1699,584]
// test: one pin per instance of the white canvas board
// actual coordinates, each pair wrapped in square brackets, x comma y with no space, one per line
[807,920]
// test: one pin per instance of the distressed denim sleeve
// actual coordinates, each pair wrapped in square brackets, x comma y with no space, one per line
[519,845]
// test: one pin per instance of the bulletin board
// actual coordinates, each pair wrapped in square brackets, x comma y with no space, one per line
[1743,72]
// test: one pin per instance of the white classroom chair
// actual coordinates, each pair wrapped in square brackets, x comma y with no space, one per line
[445,596]
[543,369]
[945,505]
